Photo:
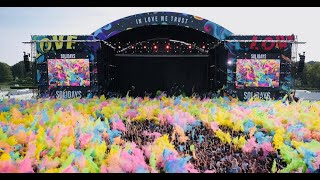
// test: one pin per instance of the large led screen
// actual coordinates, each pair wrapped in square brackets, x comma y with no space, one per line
[69,72]
[257,73]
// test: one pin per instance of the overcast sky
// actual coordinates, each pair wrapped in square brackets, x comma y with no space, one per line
[18,24]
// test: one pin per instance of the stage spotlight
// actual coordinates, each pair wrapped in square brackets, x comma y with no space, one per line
[190,46]
[229,62]
[119,47]
[203,47]
[167,47]
[155,47]
[145,47]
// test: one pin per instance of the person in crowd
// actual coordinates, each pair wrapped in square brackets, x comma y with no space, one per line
[294,97]
[317,170]
[290,97]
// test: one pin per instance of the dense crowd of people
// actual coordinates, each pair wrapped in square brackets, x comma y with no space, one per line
[162,134]
[175,91]
[212,154]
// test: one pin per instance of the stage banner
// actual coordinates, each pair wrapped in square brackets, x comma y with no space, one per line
[162,18]
[259,66]
[265,95]
[66,67]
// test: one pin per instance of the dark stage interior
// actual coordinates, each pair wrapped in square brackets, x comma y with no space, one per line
[153,58]
[185,74]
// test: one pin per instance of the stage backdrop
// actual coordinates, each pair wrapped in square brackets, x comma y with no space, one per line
[66,69]
[259,68]
[69,69]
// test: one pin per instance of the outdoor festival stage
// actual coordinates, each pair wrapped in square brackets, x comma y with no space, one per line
[163,51]
[74,128]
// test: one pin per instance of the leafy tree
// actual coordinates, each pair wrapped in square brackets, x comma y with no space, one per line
[20,75]
[310,77]
[18,70]
[314,75]
[5,73]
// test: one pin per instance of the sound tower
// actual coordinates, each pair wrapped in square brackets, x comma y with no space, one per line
[301,62]
[26,62]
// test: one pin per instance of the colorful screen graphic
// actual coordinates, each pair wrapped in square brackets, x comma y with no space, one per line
[68,72]
[257,73]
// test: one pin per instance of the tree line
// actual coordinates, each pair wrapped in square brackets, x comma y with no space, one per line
[15,73]
[309,78]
